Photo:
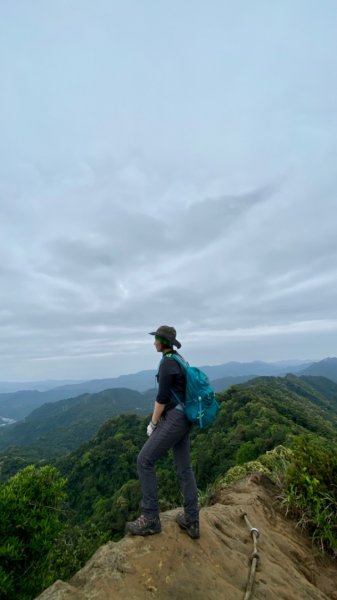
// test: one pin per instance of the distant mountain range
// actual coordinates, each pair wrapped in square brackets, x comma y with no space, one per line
[241,372]
[40,386]
[17,405]
[324,368]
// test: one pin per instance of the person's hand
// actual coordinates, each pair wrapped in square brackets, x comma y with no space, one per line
[150,428]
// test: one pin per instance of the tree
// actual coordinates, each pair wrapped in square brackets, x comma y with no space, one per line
[30,507]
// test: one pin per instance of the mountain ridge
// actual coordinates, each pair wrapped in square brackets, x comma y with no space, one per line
[325,368]
[17,405]
[73,420]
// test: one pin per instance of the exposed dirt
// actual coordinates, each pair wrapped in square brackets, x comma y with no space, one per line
[172,566]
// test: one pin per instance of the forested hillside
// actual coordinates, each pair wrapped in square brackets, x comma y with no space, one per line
[18,405]
[59,427]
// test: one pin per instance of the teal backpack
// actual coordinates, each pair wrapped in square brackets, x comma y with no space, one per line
[200,406]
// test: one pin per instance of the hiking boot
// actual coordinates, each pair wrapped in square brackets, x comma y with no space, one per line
[144,526]
[191,527]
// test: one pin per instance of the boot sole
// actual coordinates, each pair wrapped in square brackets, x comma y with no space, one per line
[144,533]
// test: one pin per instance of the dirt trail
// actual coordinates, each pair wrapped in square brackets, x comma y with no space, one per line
[172,566]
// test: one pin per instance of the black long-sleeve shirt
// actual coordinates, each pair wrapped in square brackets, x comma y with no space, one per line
[171,376]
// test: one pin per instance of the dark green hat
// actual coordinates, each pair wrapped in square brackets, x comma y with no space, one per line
[167,333]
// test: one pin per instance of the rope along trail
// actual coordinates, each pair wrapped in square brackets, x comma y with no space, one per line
[254,558]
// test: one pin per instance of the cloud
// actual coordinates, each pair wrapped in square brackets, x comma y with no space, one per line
[88,284]
[194,186]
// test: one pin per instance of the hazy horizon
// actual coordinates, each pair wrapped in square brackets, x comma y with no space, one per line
[153,368]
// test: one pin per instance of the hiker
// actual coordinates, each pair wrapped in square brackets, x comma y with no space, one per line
[168,428]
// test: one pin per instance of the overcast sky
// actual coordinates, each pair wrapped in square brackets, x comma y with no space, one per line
[166,162]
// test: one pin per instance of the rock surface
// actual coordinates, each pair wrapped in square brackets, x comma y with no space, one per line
[172,566]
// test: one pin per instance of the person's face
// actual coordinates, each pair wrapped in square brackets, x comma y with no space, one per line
[158,345]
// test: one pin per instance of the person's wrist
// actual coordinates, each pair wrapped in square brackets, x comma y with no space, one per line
[154,424]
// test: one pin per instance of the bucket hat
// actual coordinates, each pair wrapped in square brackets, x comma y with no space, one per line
[168,333]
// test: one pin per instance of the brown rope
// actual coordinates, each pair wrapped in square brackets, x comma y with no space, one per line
[254,558]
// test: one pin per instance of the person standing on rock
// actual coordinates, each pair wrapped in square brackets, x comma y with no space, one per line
[168,428]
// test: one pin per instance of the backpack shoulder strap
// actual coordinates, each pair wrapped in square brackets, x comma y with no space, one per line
[178,359]
[183,364]
[168,355]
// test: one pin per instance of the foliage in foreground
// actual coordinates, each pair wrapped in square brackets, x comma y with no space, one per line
[38,542]
[310,489]
[30,504]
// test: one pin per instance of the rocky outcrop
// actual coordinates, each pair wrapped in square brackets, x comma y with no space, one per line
[172,566]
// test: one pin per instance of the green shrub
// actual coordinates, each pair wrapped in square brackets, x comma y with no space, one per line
[74,546]
[310,492]
[30,505]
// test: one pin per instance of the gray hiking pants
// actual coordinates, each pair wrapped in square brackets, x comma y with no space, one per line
[172,431]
